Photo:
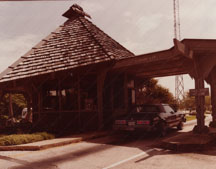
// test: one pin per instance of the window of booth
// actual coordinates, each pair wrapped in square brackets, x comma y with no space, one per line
[50,100]
[69,99]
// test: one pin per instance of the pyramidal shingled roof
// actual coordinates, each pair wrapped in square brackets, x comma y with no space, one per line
[78,42]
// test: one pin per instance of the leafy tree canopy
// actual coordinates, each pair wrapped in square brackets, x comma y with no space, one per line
[150,92]
[189,102]
[19,102]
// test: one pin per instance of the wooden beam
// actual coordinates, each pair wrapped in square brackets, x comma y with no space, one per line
[176,62]
[11,114]
[79,101]
[182,49]
[200,102]
[100,84]
[172,68]
[39,104]
[112,97]
[161,73]
[145,59]
[200,108]
[28,96]
[200,44]
[125,91]
[213,97]
[15,90]
[59,93]
[206,64]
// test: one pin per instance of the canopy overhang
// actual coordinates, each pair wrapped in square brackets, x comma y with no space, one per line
[195,57]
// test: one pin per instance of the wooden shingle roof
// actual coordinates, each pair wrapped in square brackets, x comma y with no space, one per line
[78,42]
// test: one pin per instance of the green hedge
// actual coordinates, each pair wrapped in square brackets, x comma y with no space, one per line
[191,117]
[17,139]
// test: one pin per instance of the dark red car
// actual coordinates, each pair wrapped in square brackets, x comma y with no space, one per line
[156,117]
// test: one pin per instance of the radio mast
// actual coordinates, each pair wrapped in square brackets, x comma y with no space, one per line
[179,81]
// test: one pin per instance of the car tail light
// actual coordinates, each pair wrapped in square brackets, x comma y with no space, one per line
[120,122]
[143,122]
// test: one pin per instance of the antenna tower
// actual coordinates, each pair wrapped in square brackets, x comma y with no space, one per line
[179,81]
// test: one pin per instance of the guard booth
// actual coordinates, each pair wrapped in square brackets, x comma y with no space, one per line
[67,77]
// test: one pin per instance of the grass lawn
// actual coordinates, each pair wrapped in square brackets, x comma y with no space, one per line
[190,117]
[16,139]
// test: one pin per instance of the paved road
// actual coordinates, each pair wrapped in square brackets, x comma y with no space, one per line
[120,151]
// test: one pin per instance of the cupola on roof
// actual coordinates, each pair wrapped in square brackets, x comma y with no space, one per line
[75,10]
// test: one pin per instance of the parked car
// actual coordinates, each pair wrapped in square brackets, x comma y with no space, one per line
[156,117]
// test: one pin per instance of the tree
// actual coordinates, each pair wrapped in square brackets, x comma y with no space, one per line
[150,92]
[19,102]
[189,102]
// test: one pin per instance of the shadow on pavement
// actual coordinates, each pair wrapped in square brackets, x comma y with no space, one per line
[13,160]
[135,140]
[49,163]
[102,145]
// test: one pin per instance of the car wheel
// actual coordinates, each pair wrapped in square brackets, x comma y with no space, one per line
[180,125]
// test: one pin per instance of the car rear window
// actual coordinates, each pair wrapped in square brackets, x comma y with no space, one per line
[147,108]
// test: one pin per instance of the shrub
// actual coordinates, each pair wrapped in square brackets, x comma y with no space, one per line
[16,139]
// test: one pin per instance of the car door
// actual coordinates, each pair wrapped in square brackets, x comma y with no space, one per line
[171,117]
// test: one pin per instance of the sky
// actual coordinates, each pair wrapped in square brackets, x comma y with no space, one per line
[142,26]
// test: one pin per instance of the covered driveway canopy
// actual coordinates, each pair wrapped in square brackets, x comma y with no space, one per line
[195,57]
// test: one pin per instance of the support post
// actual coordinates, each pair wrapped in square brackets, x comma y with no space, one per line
[125,92]
[200,108]
[112,97]
[79,101]
[39,104]
[59,92]
[30,109]
[100,84]
[213,101]
[29,103]
[10,106]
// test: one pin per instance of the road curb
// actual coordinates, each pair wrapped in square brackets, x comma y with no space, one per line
[185,147]
[51,145]
[186,143]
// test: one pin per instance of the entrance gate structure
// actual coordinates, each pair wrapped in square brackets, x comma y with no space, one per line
[79,77]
